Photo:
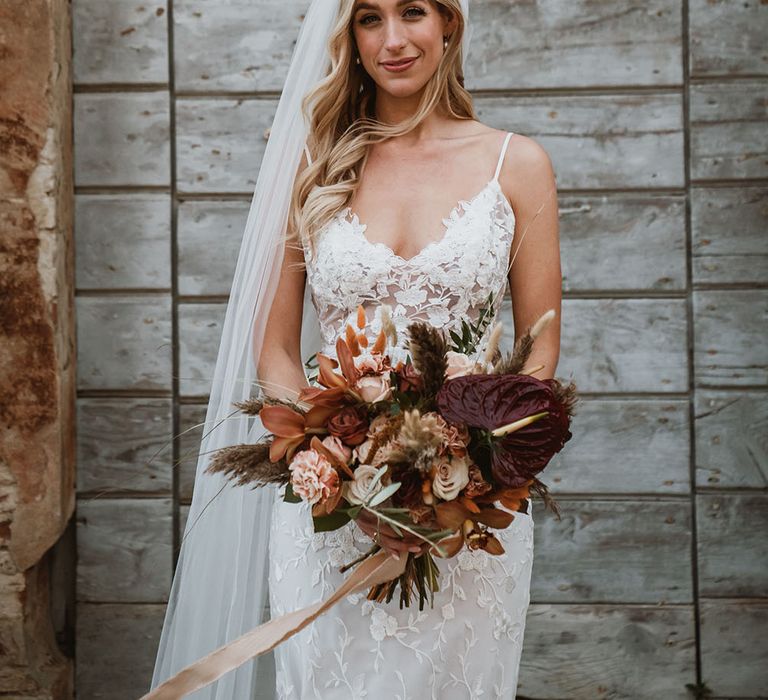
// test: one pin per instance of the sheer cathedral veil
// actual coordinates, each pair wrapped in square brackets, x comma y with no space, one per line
[220,586]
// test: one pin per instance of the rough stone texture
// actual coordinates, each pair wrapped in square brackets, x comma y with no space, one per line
[663,217]
[37,352]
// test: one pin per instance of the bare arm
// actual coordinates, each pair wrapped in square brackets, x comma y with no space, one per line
[281,368]
[535,279]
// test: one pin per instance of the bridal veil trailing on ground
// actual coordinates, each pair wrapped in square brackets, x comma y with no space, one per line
[220,586]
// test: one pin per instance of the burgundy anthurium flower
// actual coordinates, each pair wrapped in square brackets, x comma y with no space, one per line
[490,401]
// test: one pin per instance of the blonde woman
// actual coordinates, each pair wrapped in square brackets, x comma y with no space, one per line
[379,186]
[404,197]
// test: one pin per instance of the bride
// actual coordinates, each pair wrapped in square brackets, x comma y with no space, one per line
[398,195]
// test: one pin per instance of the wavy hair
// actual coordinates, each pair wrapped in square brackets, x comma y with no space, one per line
[340,112]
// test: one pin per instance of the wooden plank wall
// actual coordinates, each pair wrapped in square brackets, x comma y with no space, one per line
[655,117]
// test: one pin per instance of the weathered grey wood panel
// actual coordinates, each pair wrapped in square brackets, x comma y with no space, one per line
[123,241]
[636,551]
[580,45]
[614,345]
[237,45]
[602,141]
[191,418]
[622,242]
[584,652]
[124,445]
[729,229]
[574,44]
[209,237]
[729,337]
[220,148]
[199,335]
[220,143]
[123,550]
[728,126]
[731,439]
[120,41]
[124,342]
[734,647]
[624,446]
[732,544]
[122,139]
[727,38]
[116,648]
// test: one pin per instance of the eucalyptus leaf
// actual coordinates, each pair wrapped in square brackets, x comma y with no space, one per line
[352,511]
[377,477]
[384,494]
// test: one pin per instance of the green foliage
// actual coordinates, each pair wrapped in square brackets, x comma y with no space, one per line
[334,521]
[466,342]
[312,370]
[290,496]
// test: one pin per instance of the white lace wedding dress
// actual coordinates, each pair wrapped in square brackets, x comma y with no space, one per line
[469,644]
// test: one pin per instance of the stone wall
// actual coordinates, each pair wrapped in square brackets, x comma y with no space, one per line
[37,351]
[654,115]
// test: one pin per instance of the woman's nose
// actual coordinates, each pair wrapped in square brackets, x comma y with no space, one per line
[394,39]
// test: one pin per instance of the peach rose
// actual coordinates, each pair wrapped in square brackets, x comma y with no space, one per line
[451,475]
[459,364]
[312,476]
[361,488]
[374,363]
[338,448]
[373,388]
[362,451]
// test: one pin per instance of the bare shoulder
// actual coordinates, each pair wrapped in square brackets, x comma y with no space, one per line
[527,170]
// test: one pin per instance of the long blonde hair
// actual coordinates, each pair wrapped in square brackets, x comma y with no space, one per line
[342,124]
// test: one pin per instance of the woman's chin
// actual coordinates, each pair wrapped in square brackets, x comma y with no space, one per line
[403,88]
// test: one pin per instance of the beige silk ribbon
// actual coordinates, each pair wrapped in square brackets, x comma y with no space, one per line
[378,568]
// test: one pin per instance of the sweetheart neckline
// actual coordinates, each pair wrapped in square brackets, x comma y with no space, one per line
[453,217]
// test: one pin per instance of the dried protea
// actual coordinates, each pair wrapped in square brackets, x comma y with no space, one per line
[419,440]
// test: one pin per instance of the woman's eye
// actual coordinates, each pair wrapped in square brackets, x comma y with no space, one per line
[414,12]
[365,19]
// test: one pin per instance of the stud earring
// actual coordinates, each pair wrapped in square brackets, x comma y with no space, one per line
[445,42]
[357,60]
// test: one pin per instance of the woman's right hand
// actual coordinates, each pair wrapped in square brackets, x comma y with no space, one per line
[383,534]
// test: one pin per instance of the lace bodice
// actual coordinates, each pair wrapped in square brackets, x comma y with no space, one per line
[448,280]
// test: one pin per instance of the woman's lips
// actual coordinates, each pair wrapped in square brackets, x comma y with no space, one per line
[399,66]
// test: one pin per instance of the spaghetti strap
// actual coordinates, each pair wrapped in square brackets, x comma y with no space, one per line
[501,155]
[309,157]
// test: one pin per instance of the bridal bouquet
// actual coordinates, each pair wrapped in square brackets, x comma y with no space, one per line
[420,453]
